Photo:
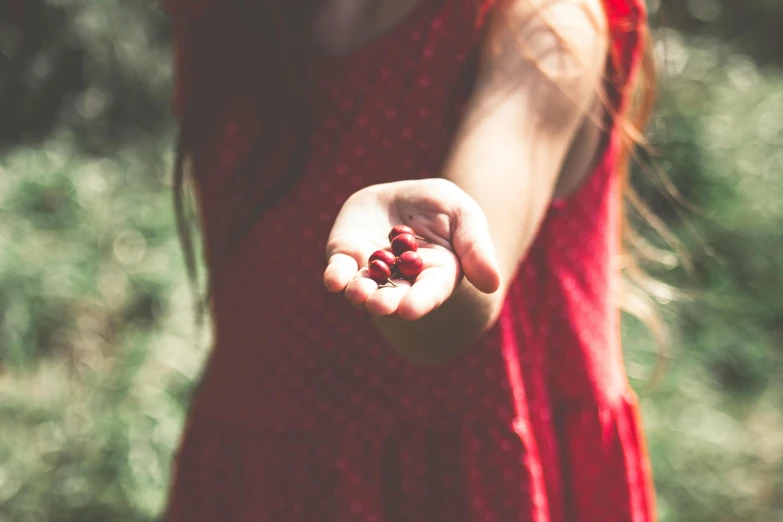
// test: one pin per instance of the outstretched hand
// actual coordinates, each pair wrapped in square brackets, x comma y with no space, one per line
[437,210]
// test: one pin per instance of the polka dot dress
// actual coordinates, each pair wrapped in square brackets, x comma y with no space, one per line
[303,413]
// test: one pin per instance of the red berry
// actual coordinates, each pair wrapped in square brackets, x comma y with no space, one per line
[404,243]
[379,271]
[385,256]
[400,229]
[410,265]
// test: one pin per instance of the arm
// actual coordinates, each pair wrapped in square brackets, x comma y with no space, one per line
[534,91]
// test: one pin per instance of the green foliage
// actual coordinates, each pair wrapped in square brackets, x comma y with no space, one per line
[97,347]
[714,420]
[96,343]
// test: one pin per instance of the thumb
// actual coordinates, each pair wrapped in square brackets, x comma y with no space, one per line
[473,246]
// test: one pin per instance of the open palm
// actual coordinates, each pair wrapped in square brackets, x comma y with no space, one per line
[436,209]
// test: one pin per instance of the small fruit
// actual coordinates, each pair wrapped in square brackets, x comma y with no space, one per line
[385,256]
[400,229]
[404,243]
[410,265]
[405,229]
[379,271]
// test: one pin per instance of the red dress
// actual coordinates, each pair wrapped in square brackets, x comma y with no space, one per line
[303,413]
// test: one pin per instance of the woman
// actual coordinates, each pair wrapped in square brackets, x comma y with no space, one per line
[492,386]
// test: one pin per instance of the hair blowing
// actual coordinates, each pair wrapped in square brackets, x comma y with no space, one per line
[204,75]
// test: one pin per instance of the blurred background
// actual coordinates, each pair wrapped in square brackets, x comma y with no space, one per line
[98,350]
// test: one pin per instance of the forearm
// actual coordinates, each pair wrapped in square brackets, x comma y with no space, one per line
[508,157]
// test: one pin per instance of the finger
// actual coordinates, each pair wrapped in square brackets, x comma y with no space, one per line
[348,244]
[360,288]
[431,289]
[473,246]
[386,300]
[340,270]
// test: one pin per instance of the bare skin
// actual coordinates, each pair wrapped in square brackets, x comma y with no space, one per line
[527,138]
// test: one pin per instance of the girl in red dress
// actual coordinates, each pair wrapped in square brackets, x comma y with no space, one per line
[492,387]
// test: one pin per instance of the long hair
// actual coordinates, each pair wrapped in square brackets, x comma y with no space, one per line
[203,65]
[211,59]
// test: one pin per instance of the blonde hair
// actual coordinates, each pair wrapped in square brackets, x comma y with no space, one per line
[637,287]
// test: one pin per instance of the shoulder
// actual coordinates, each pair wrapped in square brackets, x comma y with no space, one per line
[558,46]
[547,31]
[576,22]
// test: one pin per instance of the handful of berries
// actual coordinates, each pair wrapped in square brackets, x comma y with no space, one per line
[402,261]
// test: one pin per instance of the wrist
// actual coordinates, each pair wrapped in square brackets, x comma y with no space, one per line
[447,331]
